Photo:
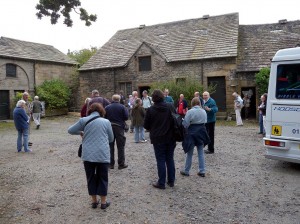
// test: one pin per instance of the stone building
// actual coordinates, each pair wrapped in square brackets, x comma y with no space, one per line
[257,46]
[213,50]
[205,49]
[24,65]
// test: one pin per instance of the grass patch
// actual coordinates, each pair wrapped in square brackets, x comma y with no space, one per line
[6,125]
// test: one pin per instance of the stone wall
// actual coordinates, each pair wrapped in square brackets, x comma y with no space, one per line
[48,71]
[107,81]
[24,79]
[30,74]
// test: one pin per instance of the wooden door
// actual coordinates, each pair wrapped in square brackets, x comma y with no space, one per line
[220,95]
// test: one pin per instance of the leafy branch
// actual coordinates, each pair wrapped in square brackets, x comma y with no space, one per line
[55,8]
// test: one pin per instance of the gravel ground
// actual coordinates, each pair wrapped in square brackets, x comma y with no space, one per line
[241,186]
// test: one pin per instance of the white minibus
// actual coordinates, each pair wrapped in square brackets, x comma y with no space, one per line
[282,139]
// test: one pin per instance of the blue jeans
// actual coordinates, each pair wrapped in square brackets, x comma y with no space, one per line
[139,133]
[201,159]
[22,134]
[261,124]
[164,154]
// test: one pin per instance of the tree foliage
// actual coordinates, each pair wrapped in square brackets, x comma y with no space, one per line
[187,87]
[262,80]
[82,56]
[55,93]
[19,96]
[55,8]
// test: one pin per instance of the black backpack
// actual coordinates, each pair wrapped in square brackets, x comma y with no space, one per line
[178,128]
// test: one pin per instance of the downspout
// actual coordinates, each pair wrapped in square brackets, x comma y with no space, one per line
[202,73]
[34,78]
[114,76]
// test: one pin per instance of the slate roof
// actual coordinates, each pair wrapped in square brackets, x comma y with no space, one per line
[194,39]
[258,43]
[32,51]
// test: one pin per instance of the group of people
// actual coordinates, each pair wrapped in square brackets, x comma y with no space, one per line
[103,123]
[239,103]
[22,115]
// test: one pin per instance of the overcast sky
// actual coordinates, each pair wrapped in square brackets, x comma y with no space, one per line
[18,19]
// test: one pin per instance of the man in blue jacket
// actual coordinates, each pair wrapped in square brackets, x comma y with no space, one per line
[211,109]
[22,125]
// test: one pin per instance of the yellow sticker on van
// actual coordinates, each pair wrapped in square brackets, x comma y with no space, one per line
[276,130]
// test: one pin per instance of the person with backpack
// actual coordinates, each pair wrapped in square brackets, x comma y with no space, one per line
[146,100]
[196,135]
[159,122]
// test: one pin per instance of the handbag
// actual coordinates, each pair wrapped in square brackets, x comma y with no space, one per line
[80,147]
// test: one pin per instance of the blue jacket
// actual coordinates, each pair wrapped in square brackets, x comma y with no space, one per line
[96,138]
[211,115]
[196,135]
[20,118]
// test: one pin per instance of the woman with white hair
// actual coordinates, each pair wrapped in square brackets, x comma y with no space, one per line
[36,111]
[21,121]
[238,105]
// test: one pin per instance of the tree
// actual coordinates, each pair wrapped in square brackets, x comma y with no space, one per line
[82,56]
[56,8]
[262,80]
[55,93]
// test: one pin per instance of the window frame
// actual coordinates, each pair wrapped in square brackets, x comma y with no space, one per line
[145,63]
[11,70]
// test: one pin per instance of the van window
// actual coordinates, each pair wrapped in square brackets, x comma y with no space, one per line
[288,81]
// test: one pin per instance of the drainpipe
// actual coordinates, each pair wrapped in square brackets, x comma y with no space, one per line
[34,78]
[114,75]
[202,74]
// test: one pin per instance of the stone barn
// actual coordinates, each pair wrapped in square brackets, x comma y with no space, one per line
[204,49]
[24,65]
[211,49]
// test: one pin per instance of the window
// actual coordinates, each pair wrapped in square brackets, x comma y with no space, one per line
[288,81]
[145,63]
[126,87]
[11,70]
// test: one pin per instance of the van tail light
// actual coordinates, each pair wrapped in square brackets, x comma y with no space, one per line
[274,143]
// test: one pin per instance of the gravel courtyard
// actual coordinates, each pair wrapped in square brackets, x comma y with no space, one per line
[241,186]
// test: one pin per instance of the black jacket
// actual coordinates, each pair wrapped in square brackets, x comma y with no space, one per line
[159,122]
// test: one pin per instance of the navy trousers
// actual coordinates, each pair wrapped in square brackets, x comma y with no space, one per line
[97,178]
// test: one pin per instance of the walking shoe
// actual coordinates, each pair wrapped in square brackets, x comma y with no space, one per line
[104,206]
[208,152]
[170,184]
[120,167]
[184,173]
[29,150]
[95,204]
[143,141]
[201,174]
[157,185]
[38,126]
